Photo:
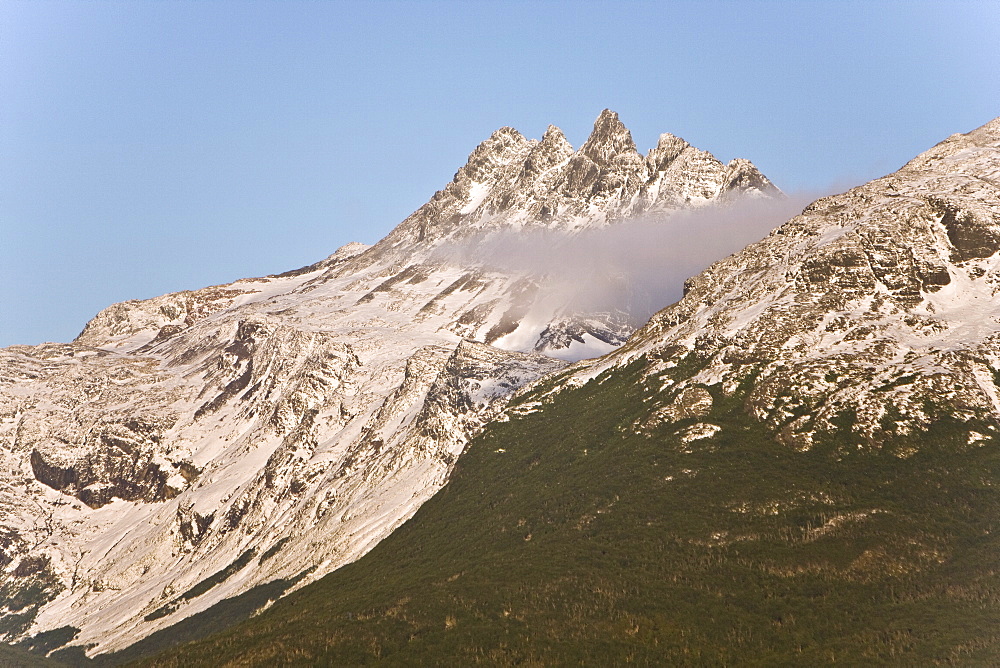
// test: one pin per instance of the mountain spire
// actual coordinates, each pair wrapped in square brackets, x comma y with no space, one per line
[609,139]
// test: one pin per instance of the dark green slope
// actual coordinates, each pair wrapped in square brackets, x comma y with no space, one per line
[16,657]
[565,537]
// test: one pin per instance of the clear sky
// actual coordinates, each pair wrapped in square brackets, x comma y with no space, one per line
[150,147]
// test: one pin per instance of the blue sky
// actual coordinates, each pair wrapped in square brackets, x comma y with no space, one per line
[150,147]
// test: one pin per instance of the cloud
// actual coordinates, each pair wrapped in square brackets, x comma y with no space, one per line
[636,266]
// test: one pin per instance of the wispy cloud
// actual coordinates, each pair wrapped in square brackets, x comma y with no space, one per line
[636,265]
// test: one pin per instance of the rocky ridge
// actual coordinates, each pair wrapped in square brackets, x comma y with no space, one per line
[192,447]
[513,182]
[863,320]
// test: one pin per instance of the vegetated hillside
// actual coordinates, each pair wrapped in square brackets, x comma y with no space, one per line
[567,535]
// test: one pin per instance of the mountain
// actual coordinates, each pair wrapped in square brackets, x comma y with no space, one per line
[796,464]
[235,442]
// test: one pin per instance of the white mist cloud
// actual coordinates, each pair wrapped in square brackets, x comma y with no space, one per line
[638,265]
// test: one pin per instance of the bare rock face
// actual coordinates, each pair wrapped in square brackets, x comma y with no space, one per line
[245,433]
[610,329]
[187,448]
[117,459]
[510,181]
[866,318]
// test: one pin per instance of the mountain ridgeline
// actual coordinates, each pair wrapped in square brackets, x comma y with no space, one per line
[796,464]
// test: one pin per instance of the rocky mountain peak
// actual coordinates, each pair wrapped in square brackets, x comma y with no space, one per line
[513,182]
[609,139]
[552,150]
[554,134]
[492,154]
[667,149]
[741,175]
[297,419]
[668,141]
[957,148]
[502,137]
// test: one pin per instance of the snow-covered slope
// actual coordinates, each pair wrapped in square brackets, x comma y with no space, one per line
[870,315]
[188,448]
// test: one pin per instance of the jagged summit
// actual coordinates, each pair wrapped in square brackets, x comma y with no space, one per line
[551,151]
[508,183]
[609,141]
[555,134]
[513,182]
[668,147]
